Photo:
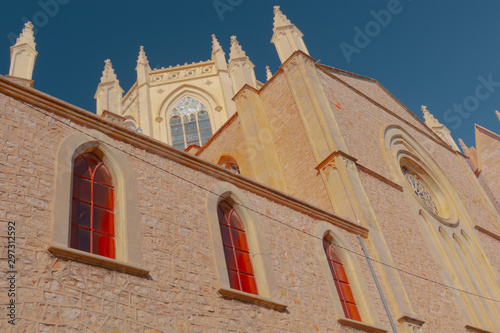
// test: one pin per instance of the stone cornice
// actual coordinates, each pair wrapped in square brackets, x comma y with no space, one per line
[90,120]
[487,232]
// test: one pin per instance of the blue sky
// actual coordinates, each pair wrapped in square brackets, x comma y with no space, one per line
[443,54]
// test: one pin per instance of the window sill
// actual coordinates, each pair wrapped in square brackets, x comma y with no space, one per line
[251,298]
[360,325]
[476,329]
[65,252]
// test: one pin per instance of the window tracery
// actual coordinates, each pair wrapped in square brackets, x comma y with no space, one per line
[189,123]
[420,189]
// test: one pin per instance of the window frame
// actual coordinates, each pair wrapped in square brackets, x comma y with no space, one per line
[266,284]
[370,321]
[127,227]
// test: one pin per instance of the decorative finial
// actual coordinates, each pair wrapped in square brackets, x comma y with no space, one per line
[236,50]
[280,19]
[430,121]
[215,44]
[108,74]
[269,75]
[27,35]
[142,56]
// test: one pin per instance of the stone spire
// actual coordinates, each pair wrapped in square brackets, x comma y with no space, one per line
[109,73]
[498,114]
[240,67]
[269,75]
[236,49]
[142,59]
[142,67]
[22,57]
[109,93]
[442,131]
[287,38]
[215,44]
[218,55]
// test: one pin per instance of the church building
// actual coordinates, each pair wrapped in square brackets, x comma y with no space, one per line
[203,200]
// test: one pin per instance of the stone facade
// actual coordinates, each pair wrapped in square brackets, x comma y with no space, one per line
[323,156]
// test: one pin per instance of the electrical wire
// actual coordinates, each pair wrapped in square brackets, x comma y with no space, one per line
[265,215]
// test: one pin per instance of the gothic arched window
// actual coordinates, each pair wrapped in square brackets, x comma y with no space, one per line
[236,251]
[341,282]
[189,123]
[92,212]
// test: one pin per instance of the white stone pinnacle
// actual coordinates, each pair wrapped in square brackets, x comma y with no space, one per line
[269,75]
[280,20]
[236,50]
[108,75]
[26,36]
[215,44]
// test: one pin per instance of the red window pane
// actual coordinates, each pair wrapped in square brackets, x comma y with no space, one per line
[103,221]
[102,175]
[352,309]
[81,168]
[248,284]
[82,188]
[239,239]
[92,213]
[236,221]
[103,196]
[230,260]
[234,281]
[236,250]
[341,275]
[80,239]
[80,213]
[347,293]
[103,245]
[243,262]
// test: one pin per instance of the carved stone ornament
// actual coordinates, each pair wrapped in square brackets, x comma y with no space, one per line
[158,119]
[160,91]
[218,108]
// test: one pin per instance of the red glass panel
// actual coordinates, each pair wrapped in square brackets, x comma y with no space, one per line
[230,261]
[353,312]
[239,239]
[82,189]
[103,245]
[103,221]
[236,221]
[92,215]
[102,175]
[226,237]
[80,239]
[103,196]
[80,213]
[347,293]
[234,281]
[81,168]
[225,207]
[243,262]
[248,284]
[341,275]
[92,160]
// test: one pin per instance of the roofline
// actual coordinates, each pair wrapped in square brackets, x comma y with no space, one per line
[90,120]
